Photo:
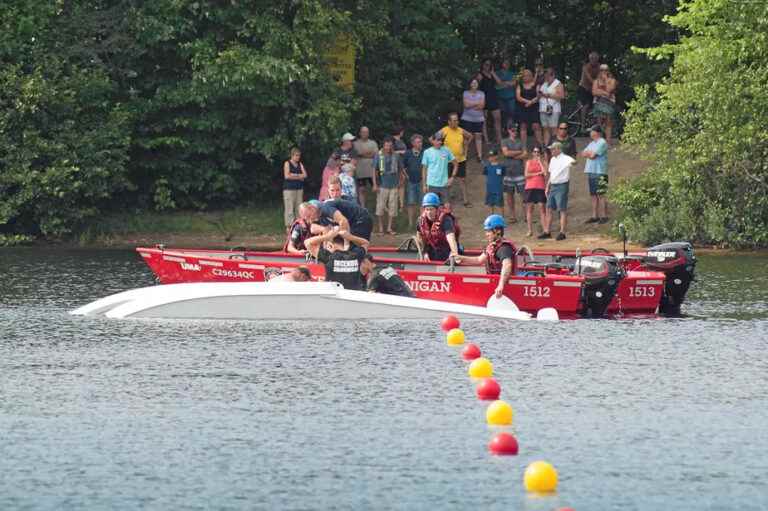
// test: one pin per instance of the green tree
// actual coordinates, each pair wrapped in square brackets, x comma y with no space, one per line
[705,128]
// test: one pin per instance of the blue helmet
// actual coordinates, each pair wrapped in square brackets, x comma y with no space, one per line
[494,222]
[430,200]
[316,203]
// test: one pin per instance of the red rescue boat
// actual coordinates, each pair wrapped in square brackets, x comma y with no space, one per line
[589,285]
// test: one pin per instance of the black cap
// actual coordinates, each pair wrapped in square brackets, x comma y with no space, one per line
[596,128]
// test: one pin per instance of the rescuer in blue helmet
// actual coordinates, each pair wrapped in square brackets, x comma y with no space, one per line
[498,256]
[437,230]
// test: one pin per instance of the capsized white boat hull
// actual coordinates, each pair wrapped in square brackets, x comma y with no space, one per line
[276,300]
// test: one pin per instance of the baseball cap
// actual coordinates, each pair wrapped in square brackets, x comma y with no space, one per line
[555,145]
[596,128]
[493,152]
[347,137]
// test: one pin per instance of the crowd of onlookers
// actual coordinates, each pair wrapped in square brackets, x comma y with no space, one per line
[500,108]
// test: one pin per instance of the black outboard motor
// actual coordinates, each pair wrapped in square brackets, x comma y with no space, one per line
[677,262]
[602,275]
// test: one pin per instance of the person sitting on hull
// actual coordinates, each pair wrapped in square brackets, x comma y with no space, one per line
[342,254]
[498,256]
[298,274]
[437,231]
[384,280]
[347,215]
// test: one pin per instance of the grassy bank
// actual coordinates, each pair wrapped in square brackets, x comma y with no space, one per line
[226,225]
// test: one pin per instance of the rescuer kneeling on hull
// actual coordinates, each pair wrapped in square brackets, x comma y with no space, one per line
[437,231]
[499,254]
[383,279]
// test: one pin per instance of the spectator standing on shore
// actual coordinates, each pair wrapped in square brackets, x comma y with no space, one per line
[347,180]
[527,108]
[294,175]
[567,143]
[604,92]
[488,79]
[551,93]
[557,190]
[535,184]
[596,169]
[494,181]
[389,168]
[472,118]
[589,73]
[506,88]
[412,164]
[456,139]
[514,178]
[434,168]
[366,149]
[539,73]
[399,147]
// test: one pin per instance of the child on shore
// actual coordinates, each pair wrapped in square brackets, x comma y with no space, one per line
[494,178]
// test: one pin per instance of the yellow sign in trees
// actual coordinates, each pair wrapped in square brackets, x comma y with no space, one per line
[341,62]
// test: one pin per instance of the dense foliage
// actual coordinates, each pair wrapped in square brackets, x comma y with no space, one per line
[122,105]
[705,129]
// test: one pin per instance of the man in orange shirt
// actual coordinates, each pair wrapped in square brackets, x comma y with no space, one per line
[456,140]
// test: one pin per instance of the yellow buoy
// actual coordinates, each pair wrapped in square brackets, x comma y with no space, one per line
[455,337]
[480,368]
[540,477]
[499,413]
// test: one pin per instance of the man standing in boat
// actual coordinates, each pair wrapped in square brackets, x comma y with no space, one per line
[348,215]
[342,254]
[437,232]
[383,280]
[498,256]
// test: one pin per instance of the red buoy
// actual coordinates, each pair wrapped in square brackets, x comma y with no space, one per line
[503,443]
[470,352]
[449,323]
[488,389]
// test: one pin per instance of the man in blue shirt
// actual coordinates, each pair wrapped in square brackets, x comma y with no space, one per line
[494,182]
[596,169]
[412,163]
[434,167]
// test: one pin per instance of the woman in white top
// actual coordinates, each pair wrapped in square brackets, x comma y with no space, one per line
[473,117]
[551,93]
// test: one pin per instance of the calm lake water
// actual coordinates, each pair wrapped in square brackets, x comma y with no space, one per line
[635,414]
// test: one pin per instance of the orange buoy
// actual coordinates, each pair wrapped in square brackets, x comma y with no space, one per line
[488,389]
[449,323]
[470,352]
[504,444]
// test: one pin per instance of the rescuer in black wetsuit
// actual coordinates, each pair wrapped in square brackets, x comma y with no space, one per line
[383,279]
[342,254]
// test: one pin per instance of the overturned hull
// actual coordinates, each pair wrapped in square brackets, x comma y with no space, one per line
[277,300]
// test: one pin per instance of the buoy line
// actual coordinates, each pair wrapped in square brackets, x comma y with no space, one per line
[539,476]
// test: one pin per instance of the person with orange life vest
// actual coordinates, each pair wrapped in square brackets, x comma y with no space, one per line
[437,231]
[499,254]
[298,232]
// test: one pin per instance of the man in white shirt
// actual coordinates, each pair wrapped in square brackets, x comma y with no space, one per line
[557,189]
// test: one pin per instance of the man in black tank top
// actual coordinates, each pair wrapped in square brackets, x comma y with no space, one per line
[342,254]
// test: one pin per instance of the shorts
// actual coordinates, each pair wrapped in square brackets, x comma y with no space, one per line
[584,96]
[549,120]
[362,228]
[508,106]
[494,199]
[362,181]
[413,194]
[386,201]
[598,184]
[472,127]
[535,196]
[603,109]
[515,186]
[528,115]
[462,171]
[441,192]
[558,197]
